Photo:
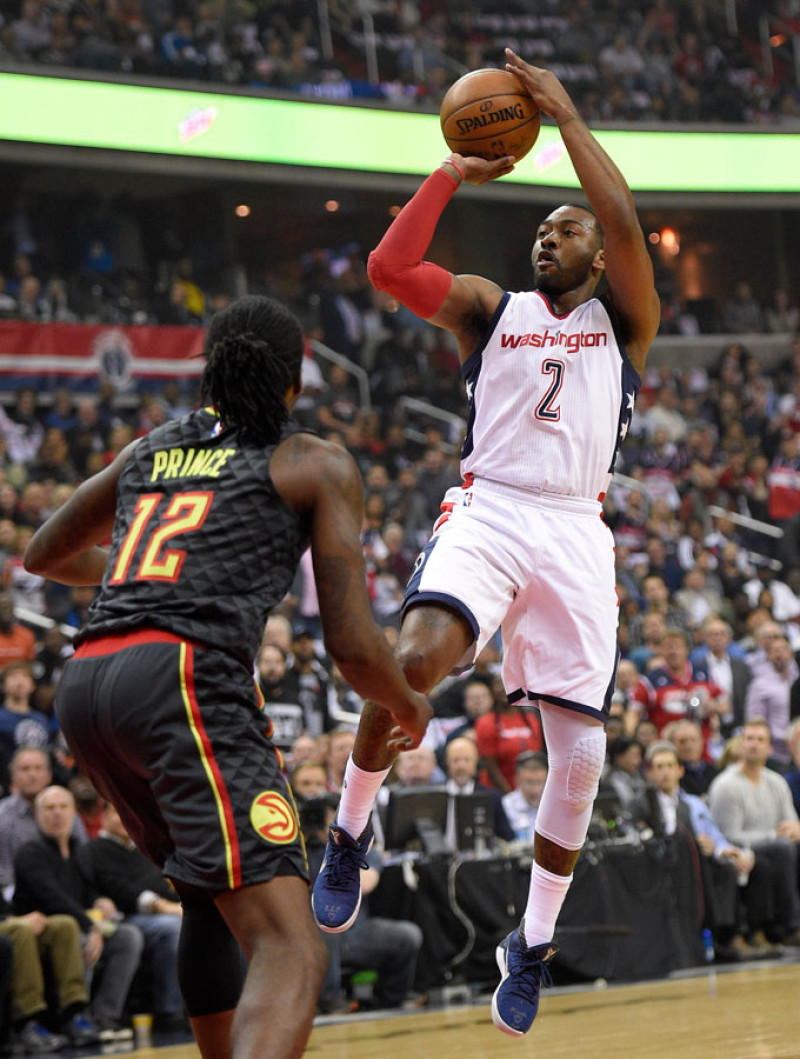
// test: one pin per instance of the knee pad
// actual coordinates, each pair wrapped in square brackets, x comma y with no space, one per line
[576,756]
[585,766]
[211,967]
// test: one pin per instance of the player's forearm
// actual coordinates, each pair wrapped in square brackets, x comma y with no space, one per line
[605,187]
[86,568]
[369,667]
[396,264]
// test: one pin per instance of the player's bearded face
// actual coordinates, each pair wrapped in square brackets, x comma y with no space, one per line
[557,277]
[565,249]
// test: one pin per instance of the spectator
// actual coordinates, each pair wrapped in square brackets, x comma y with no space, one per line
[765,630]
[340,745]
[665,807]
[698,773]
[49,878]
[621,60]
[53,462]
[785,603]
[624,775]
[390,946]
[724,662]
[88,435]
[116,869]
[57,939]
[304,748]
[17,642]
[679,690]
[281,691]
[627,680]
[522,803]
[20,724]
[752,806]
[27,589]
[278,630]
[502,734]
[769,693]
[434,477]
[309,780]
[783,479]
[314,688]
[657,599]
[477,700]
[782,317]
[697,599]
[21,431]
[651,633]
[461,763]
[741,313]
[31,772]
[48,663]
[418,768]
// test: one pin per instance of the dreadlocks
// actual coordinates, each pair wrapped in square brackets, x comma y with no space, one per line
[254,349]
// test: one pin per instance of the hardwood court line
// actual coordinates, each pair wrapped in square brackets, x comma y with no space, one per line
[754,1015]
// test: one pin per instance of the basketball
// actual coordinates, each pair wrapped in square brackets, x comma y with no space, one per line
[489,113]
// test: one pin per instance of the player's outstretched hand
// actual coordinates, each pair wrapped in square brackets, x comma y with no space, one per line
[544,87]
[479,170]
[411,723]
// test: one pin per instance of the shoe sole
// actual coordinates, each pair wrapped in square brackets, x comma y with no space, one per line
[497,1018]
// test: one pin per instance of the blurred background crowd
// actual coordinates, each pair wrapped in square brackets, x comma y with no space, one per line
[623,60]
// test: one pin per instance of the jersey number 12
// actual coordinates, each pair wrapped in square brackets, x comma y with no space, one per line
[185,512]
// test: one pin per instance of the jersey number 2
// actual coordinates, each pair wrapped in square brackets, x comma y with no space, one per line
[185,512]
[547,409]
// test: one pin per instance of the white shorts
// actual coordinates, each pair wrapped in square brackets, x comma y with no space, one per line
[540,568]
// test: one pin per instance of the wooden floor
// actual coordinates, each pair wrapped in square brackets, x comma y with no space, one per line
[752,1012]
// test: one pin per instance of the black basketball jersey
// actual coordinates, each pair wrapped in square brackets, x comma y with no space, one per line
[203,545]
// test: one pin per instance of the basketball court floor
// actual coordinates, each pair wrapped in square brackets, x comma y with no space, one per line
[746,1011]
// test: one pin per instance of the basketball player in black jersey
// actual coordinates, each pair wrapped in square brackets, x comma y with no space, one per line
[208,517]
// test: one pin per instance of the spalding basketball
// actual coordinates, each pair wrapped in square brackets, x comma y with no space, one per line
[490,114]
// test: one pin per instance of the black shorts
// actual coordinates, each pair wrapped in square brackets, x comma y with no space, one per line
[171,734]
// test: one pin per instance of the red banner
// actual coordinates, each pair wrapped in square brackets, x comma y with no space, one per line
[80,356]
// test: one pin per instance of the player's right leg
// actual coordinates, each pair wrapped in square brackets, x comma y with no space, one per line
[286,964]
[433,639]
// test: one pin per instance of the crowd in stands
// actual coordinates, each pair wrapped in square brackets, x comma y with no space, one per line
[646,60]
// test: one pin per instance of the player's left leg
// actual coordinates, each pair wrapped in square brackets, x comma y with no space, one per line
[576,746]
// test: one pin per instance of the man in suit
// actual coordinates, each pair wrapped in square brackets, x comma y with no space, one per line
[725,664]
[666,808]
[687,738]
[461,763]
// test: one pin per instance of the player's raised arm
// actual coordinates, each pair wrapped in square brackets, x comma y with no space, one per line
[65,548]
[628,268]
[322,480]
[461,304]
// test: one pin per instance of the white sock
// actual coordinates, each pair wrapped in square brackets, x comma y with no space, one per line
[545,898]
[359,790]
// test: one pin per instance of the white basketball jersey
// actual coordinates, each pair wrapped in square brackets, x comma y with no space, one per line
[550,398]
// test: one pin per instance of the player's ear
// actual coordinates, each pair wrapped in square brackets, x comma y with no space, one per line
[599,262]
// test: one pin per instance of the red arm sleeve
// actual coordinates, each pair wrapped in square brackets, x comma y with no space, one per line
[396,264]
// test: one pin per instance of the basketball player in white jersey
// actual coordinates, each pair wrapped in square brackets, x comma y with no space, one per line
[551,378]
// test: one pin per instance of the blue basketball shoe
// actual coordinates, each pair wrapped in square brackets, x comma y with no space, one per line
[336,895]
[524,970]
